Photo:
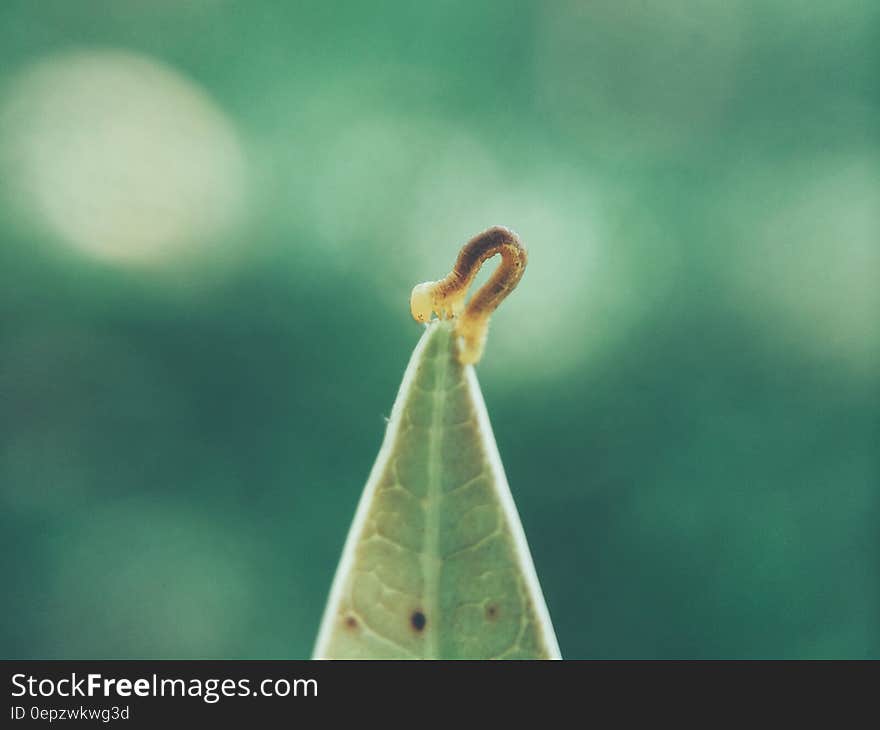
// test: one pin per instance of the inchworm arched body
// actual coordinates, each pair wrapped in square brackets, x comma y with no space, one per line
[446,297]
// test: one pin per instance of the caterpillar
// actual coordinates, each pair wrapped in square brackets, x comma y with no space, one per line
[446,297]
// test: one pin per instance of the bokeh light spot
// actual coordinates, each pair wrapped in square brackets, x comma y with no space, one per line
[119,156]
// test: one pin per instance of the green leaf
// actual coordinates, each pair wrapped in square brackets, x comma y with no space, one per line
[436,565]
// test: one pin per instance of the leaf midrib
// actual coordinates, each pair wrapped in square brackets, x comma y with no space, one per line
[431,562]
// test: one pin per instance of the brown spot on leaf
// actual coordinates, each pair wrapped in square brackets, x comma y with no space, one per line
[351,623]
[418,620]
[491,612]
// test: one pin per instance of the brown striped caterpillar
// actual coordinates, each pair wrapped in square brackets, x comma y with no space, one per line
[446,297]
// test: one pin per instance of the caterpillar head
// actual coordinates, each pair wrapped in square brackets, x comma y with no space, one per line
[421,301]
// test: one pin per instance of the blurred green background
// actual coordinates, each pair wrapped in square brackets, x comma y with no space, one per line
[211,216]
